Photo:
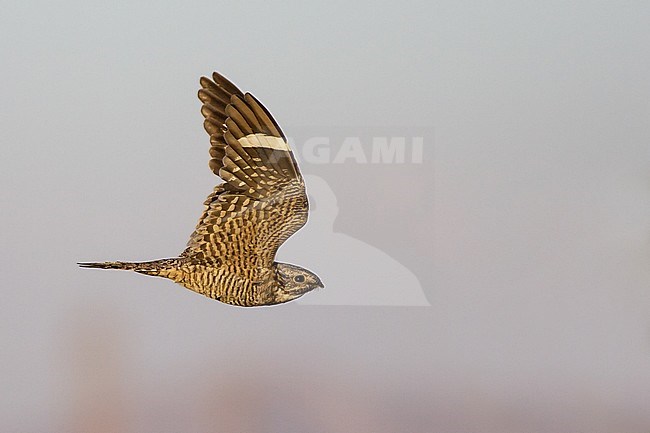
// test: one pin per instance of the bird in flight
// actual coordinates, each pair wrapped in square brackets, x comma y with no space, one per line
[230,256]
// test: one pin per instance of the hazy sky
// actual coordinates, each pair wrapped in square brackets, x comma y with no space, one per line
[526,222]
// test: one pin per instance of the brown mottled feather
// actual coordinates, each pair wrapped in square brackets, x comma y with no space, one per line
[263,201]
[215,95]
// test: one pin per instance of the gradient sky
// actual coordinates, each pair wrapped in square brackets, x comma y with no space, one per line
[526,224]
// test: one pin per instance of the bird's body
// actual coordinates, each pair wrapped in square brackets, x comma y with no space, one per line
[230,256]
[215,282]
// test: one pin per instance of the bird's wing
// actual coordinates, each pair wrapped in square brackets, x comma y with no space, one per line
[262,201]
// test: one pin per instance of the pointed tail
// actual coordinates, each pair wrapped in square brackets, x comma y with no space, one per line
[154,267]
[126,266]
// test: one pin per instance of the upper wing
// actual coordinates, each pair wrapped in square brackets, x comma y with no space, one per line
[262,201]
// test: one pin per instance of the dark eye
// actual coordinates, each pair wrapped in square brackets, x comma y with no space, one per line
[299,279]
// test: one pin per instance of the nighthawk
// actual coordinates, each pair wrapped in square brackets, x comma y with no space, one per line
[230,256]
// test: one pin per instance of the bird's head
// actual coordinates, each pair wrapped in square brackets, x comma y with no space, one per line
[295,281]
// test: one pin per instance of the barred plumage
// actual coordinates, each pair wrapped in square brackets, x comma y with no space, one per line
[230,256]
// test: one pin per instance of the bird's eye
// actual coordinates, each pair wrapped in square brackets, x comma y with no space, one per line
[299,279]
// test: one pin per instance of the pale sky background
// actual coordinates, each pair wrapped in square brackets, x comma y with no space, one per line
[527,223]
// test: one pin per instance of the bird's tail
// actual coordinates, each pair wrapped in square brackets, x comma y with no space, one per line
[126,266]
[150,268]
